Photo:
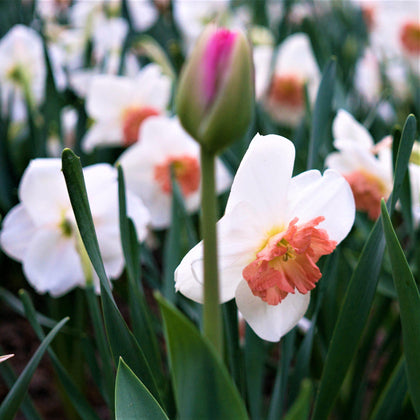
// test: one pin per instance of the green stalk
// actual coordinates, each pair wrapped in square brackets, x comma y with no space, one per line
[212,318]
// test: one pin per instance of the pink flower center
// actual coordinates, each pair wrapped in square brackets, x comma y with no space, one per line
[287,261]
[288,90]
[410,37]
[133,117]
[186,171]
[216,61]
[368,190]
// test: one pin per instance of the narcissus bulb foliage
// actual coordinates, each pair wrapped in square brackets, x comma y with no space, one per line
[216,89]
[274,231]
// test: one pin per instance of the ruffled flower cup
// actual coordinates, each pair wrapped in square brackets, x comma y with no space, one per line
[274,231]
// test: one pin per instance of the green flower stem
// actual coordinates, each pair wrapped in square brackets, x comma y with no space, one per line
[212,318]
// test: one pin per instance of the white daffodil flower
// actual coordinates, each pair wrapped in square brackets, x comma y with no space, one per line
[119,105]
[147,168]
[22,69]
[367,78]
[295,67]
[42,234]
[273,232]
[367,168]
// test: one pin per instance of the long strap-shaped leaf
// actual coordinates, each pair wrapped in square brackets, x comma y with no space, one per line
[360,292]
[10,405]
[391,400]
[409,300]
[78,400]
[202,385]
[121,340]
[132,399]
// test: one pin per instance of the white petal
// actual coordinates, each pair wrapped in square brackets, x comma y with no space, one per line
[312,195]
[107,96]
[270,322]
[143,13]
[102,133]
[238,240]
[43,191]
[16,232]
[345,127]
[52,264]
[263,177]
[223,177]
[152,88]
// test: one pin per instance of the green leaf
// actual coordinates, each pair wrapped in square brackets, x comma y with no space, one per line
[76,397]
[409,300]
[302,406]
[277,403]
[203,388]
[322,114]
[121,339]
[26,406]
[391,400]
[403,156]
[132,399]
[73,174]
[146,45]
[11,403]
[140,315]
[359,295]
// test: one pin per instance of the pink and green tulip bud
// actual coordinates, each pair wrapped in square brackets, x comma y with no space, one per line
[216,89]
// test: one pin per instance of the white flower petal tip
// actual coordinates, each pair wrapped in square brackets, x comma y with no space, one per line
[5,357]
[271,322]
[273,233]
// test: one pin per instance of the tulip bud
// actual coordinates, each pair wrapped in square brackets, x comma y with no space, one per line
[216,89]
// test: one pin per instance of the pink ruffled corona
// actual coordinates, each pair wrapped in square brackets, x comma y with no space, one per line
[133,119]
[410,37]
[368,191]
[288,90]
[287,261]
[216,61]
[186,170]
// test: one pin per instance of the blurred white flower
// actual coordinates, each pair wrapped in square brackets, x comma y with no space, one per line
[367,78]
[369,176]
[143,13]
[274,231]
[22,69]
[50,10]
[119,105]
[147,165]
[193,16]
[41,231]
[295,67]
[108,39]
